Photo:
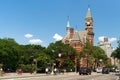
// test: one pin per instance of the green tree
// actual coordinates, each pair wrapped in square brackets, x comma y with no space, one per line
[66,51]
[116,52]
[88,53]
[9,50]
[99,53]
[68,65]
[29,53]
[93,54]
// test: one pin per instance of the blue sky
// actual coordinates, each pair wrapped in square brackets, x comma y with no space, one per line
[37,21]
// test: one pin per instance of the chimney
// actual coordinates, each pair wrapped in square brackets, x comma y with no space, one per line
[71,32]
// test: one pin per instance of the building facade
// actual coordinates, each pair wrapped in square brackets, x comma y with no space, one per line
[107,47]
[77,39]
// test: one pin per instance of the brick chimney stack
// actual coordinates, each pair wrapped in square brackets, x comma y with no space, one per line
[71,32]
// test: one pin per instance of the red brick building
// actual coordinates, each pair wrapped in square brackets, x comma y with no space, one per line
[77,39]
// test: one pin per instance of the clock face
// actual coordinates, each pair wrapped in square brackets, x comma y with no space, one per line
[88,22]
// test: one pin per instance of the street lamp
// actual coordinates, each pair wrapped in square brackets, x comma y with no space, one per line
[100,60]
[34,63]
[59,55]
[35,60]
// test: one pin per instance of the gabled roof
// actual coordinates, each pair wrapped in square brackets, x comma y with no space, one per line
[79,36]
[66,37]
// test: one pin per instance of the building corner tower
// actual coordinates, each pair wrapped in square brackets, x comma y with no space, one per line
[89,26]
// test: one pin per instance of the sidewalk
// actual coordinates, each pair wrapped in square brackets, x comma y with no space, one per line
[15,75]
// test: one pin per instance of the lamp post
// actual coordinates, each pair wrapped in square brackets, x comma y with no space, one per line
[59,55]
[35,61]
[100,62]
[31,62]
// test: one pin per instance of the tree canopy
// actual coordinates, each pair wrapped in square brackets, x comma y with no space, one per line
[9,50]
[93,53]
[116,52]
[36,57]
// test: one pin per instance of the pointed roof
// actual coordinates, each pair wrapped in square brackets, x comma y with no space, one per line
[79,36]
[68,22]
[88,13]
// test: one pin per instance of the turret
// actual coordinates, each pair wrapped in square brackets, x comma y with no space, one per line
[68,26]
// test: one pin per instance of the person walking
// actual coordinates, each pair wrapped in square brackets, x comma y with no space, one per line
[55,71]
[46,70]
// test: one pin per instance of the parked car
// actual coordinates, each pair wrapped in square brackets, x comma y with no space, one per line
[99,70]
[84,70]
[117,70]
[105,70]
[112,69]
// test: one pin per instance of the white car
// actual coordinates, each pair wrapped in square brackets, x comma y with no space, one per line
[99,70]
[117,70]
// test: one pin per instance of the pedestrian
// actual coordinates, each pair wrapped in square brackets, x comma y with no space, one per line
[55,71]
[31,71]
[19,71]
[46,70]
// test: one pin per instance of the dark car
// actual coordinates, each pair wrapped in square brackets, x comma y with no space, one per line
[84,71]
[105,70]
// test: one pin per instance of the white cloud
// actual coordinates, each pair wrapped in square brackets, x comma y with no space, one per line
[57,37]
[101,38]
[112,40]
[35,41]
[28,35]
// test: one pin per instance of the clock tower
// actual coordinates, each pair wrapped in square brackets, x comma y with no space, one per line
[89,26]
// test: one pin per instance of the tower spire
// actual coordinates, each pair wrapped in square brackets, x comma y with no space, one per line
[68,26]
[68,22]
[89,25]
[88,13]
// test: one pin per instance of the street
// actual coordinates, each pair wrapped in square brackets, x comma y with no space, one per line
[66,76]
